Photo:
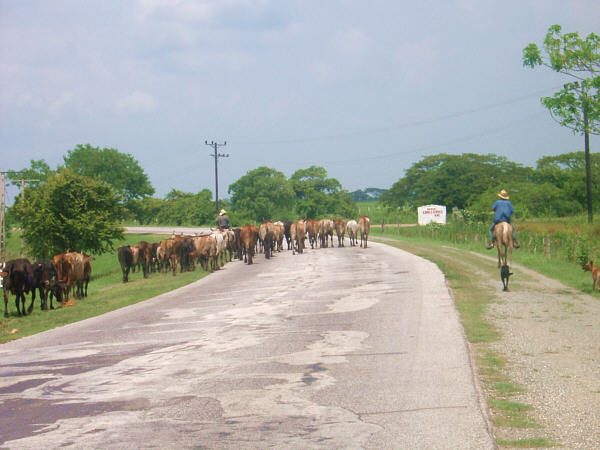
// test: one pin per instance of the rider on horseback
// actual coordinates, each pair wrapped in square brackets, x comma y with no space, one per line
[503,209]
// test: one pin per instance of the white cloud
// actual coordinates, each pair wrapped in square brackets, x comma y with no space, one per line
[136,102]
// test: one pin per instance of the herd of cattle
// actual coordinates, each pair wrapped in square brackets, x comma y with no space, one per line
[56,278]
[52,278]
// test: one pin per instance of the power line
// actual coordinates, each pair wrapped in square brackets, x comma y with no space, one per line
[397,126]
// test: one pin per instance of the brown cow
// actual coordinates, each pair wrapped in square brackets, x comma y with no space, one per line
[340,228]
[279,231]
[298,234]
[365,226]
[312,229]
[70,268]
[266,234]
[249,237]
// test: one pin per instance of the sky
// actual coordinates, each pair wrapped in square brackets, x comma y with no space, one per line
[363,89]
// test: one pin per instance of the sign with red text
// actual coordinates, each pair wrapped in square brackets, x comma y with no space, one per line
[432,213]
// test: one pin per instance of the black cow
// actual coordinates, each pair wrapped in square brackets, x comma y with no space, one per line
[286,232]
[126,260]
[18,281]
[45,279]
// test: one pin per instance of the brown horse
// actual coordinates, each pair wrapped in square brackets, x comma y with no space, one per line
[503,235]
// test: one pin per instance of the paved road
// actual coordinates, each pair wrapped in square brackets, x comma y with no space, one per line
[334,348]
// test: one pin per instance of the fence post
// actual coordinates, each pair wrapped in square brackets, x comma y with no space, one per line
[382,226]
[548,250]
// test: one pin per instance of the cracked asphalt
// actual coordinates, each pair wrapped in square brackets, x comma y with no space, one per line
[333,348]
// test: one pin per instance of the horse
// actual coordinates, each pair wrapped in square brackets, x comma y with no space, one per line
[503,235]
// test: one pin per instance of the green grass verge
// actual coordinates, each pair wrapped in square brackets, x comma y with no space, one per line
[106,292]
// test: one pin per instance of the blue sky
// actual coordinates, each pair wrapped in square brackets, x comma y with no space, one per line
[364,89]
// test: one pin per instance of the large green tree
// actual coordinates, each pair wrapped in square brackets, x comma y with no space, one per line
[318,196]
[185,208]
[567,173]
[120,170]
[453,180]
[262,194]
[70,211]
[577,105]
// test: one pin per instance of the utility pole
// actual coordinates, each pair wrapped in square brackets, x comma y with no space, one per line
[217,155]
[23,200]
[2,226]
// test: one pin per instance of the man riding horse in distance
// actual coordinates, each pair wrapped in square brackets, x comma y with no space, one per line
[503,210]
[223,220]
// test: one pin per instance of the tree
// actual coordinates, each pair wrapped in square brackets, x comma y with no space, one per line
[452,180]
[577,105]
[70,211]
[317,195]
[120,170]
[262,194]
[567,172]
[185,208]
[38,170]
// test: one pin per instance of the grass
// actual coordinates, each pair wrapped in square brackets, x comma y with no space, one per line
[106,292]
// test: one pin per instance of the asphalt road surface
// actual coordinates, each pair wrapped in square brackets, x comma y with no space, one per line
[333,348]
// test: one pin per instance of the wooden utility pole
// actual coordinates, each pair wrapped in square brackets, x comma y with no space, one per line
[23,200]
[217,155]
[2,226]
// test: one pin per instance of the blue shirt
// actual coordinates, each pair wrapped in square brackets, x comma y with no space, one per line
[503,209]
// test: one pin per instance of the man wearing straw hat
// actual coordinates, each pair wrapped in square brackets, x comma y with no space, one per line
[503,210]
[223,220]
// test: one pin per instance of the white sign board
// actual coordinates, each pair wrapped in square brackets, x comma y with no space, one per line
[432,213]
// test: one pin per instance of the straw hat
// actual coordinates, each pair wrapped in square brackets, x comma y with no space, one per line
[503,194]
[222,212]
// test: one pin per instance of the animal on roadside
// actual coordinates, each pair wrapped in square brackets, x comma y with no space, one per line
[154,261]
[125,256]
[206,252]
[279,231]
[135,251]
[70,268]
[168,258]
[18,281]
[87,273]
[237,244]
[505,274]
[266,235]
[364,224]
[503,235]
[287,233]
[249,237]
[595,271]
[183,247]
[312,230]
[298,235]
[352,228]
[144,260]
[219,238]
[340,228]
[326,232]
[45,279]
